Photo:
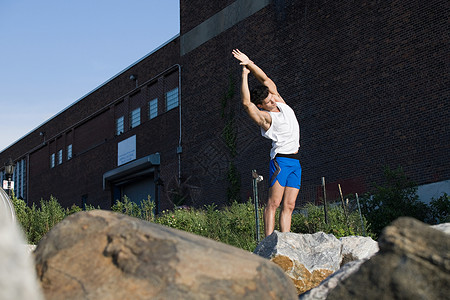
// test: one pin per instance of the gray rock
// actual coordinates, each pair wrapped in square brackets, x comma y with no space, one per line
[355,251]
[30,248]
[444,227]
[357,247]
[306,258]
[413,263]
[6,207]
[105,255]
[17,273]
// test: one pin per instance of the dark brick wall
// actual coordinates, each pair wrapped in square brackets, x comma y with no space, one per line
[209,72]
[368,81]
[89,125]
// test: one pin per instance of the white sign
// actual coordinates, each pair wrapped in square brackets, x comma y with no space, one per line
[7,186]
[126,150]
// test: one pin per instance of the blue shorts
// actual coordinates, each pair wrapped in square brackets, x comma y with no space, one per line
[287,171]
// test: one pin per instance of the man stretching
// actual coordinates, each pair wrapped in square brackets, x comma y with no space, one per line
[278,122]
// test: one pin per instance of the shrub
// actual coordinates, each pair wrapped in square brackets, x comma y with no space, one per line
[187,219]
[21,210]
[144,211]
[311,219]
[73,209]
[440,209]
[37,221]
[234,225]
[395,198]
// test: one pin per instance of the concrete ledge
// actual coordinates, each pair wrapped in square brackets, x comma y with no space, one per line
[218,23]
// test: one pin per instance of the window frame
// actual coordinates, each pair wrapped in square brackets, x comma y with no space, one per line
[69,152]
[120,120]
[153,107]
[60,156]
[171,103]
[135,117]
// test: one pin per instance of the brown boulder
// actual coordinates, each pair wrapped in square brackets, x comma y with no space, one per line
[413,263]
[104,255]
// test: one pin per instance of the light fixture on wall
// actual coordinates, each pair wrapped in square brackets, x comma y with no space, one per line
[42,133]
[9,171]
[135,78]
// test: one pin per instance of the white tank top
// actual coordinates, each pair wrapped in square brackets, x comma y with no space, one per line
[284,131]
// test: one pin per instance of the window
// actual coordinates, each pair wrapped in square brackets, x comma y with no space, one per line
[153,108]
[60,157]
[17,177]
[135,117]
[171,99]
[52,160]
[20,179]
[119,126]
[69,152]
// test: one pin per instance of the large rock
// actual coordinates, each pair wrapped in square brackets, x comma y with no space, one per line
[104,255]
[413,263]
[321,291]
[306,258]
[360,248]
[444,227]
[17,273]
[357,248]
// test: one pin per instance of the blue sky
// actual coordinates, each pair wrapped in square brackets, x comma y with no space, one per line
[53,52]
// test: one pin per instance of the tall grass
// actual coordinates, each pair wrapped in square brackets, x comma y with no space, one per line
[311,219]
[234,225]
[37,221]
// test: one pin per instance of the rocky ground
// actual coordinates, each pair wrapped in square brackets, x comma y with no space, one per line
[104,255]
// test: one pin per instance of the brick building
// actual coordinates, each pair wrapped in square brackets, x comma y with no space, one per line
[368,81]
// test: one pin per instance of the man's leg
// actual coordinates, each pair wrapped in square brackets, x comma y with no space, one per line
[290,196]
[275,196]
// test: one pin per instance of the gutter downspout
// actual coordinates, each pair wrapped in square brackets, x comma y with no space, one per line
[179,148]
[28,175]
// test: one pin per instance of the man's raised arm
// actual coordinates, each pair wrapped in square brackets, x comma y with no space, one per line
[256,71]
[261,118]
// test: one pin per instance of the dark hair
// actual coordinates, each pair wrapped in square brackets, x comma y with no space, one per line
[258,94]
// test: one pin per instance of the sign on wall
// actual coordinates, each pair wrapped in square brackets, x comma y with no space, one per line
[8,185]
[126,150]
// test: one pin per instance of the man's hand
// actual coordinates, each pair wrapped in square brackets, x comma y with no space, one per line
[245,70]
[241,57]
[250,67]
